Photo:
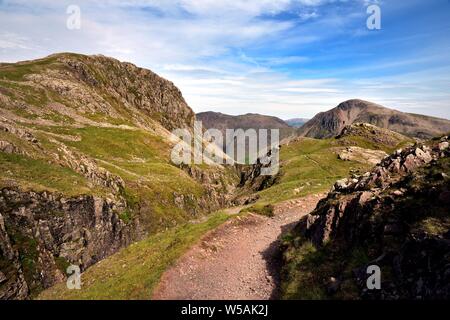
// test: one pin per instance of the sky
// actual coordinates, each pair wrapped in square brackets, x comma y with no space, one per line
[287,58]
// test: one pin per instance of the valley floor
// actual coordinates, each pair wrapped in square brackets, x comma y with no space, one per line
[238,260]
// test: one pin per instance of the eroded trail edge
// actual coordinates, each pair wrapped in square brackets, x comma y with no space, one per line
[238,260]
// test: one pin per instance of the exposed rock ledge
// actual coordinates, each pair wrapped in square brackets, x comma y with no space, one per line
[42,233]
[362,155]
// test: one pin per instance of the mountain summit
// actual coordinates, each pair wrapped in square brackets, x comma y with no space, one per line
[329,124]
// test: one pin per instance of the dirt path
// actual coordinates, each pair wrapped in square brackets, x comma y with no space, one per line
[239,260]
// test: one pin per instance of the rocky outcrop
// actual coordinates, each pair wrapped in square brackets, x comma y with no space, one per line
[8,147]
[368,186]
[42,233]
[136,88]
[21,133]
[362,155]
[376,135]
[88,168]
[398,215]
[219,184]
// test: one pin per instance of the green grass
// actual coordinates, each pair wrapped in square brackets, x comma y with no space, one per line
[17,72]
[134,272]
[261,209]
[98,117]
[308,166]
[302,284]
[111,143]
[39,175]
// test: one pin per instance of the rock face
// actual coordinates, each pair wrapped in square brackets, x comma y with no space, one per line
[398,214]
[41,234]
[331,123]
[87,80]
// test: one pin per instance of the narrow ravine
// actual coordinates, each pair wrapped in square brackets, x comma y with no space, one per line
[239,260]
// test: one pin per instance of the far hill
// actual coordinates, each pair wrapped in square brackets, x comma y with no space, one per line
[331,123]
[255,121]
[297,122]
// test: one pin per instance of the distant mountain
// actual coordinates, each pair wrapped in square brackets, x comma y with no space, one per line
[255,121]
[330,123]
[297,122]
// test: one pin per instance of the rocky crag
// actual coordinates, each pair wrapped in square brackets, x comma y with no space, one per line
[396,217]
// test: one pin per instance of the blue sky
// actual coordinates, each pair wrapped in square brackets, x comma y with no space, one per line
[288,58]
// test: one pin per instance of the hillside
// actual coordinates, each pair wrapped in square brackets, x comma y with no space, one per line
[395,216]
[85,148]
[330,123]
[310,166]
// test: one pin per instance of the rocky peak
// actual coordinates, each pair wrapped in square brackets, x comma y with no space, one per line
[331,123]
[101,86]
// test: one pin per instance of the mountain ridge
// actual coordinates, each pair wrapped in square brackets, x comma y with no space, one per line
[221,121]
[330,123]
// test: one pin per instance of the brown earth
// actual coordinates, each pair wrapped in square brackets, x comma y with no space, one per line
[239,260]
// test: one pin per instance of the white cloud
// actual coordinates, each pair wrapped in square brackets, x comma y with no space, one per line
[13,41]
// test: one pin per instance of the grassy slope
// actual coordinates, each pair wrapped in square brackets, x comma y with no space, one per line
[139,157]
[38,175]
[134,272]
[310,166]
